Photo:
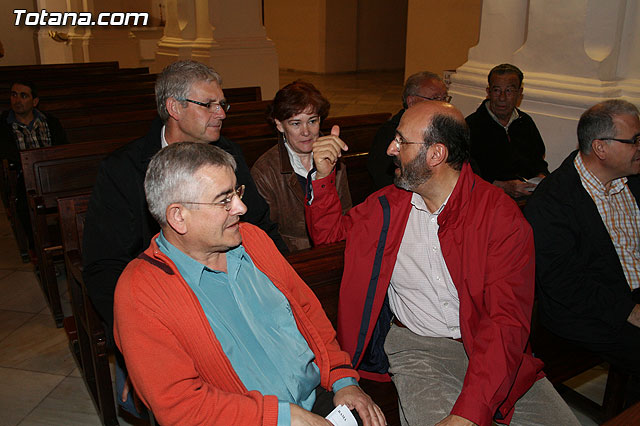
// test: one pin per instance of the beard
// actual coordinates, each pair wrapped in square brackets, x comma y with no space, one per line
[414,173]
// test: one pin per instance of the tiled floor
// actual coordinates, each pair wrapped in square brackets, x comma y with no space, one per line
[39,384]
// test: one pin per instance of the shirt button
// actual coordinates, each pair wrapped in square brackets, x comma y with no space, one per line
[437,278]
[433,219]
[446,304]
[434,248]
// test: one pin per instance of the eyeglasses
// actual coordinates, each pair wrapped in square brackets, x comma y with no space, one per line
[509,92]
[211,105]
[226,203]
[633,141]
[399,140]
[436,98]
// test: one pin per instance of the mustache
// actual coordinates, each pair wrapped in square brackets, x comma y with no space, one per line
[396,161]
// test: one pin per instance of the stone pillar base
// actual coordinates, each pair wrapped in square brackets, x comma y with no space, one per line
[240,62]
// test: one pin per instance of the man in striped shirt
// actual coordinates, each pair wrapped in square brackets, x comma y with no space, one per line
[586,224]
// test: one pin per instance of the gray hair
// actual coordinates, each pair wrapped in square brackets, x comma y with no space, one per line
[414,82]
[597,121]
[170,176]
[505,69]
[176,80]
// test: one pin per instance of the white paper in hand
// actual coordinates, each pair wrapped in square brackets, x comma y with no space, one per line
[341,416]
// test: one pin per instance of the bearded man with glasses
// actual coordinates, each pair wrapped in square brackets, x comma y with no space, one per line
[586,224]
[118,227]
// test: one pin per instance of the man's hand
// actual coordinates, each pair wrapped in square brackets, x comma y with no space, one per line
[302,417]
[515,188]
[326,151]
[128,387]
[634,316]
[354,397]
[453,420]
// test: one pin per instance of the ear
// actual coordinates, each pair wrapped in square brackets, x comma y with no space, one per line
[437,154]
[410,101]
[174,108]
[599,148]
[36,101]
[488,91]
[177,217]
[279,125]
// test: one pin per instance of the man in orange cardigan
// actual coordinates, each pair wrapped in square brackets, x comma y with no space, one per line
[214,325]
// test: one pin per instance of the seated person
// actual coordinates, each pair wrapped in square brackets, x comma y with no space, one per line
[25,127]
[214,324]
[438,281]
[505,142]
[586,224]
[419,87]
[281,173]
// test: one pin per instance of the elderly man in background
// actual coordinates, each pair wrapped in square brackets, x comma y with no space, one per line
[419,87]
[505,142]
[438,281]
[586,224]
[214,324]
[192,107]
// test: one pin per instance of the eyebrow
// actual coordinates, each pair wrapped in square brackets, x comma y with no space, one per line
[227,192]
[400,134]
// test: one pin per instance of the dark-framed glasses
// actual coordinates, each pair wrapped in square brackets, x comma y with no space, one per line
[633,141]
[436,98]
[226,203]
[212,106]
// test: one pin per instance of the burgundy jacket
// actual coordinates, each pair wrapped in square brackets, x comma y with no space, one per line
[488,248]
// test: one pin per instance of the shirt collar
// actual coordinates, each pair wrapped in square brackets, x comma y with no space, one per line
[514,116]
[296,163]
[37,116]
[592,180]
[190,269]
[418,202]
[163,140]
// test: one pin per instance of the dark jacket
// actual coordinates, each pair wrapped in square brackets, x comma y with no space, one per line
[506,156]
[583,294]
[118,225]
[9,145]
[280,187]
[379,164]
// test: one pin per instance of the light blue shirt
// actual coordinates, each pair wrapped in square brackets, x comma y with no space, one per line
[255,326]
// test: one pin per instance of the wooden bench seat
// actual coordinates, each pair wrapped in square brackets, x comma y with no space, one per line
[50,173]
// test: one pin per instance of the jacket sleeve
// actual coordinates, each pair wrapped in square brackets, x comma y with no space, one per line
[111,237]
[58,135]
[564,268]
[343,188]
[166,376]
[325,221]
[498,347]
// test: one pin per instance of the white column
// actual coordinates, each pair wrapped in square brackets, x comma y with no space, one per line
[573,54]
[228,35]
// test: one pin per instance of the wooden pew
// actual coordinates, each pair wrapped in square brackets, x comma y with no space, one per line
[321,268]
[87,338]
[50,173]
[564,360]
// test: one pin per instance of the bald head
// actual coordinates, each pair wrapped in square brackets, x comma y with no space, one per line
[440,122]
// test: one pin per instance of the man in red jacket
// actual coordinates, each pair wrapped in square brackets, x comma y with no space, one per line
[440,270]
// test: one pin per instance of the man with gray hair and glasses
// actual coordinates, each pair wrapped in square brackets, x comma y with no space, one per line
[214,324]
[586,223]
[191,107]
[419,87]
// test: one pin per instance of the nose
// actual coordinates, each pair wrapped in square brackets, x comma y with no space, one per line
[304,129]
[238,208]
[220,113]
[393,149]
